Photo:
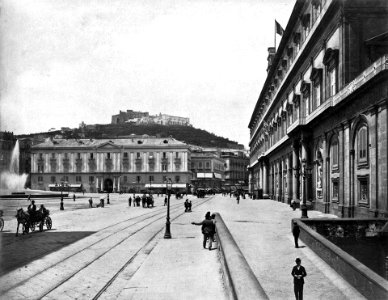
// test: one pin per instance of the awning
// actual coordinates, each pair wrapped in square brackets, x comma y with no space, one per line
[75,185]
[204,175]
[163,185]
[218,176]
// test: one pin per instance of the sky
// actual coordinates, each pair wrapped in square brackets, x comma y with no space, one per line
[64,61]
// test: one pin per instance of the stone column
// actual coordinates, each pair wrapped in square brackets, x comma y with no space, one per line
[351,184]
[265,180]
[305,160]
[295,172]
[114,183]
[328,184]
[279,180]
[289,179]
[118,184]
[382,159]
[346,167]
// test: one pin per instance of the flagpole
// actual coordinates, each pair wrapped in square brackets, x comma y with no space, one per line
[275,36]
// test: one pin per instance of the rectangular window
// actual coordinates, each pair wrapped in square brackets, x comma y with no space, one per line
[40,178]
[192,165]
[78,178]
[335,190]
[333,82]
[125,178]
[177,178]
[207,165]
[40,155]
[66,178]
[40,168]
[53,155]
[78,155]
[137,154]
[363,190]
[200,165]
[164,154]
[91,179]
[317,96]
[164,178]
[164,167]
[125,154]
[108,155]
[138,179]
[151,178]
[66,155]
[53,179]
[91,156]
[151,155]
[177,154]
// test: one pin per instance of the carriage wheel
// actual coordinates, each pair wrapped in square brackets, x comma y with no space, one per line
[1,224]
[49,223]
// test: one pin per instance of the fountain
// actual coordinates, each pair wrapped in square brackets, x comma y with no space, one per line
[12,184]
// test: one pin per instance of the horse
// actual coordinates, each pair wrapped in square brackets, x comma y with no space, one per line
[24,219]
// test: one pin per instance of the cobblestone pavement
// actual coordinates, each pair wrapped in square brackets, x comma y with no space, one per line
[89,251]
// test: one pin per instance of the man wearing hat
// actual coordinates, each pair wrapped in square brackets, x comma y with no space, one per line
[298,272]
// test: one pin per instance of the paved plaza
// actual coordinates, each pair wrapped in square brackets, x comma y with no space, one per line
[118,252]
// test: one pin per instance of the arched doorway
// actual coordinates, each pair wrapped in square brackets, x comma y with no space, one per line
[108,185]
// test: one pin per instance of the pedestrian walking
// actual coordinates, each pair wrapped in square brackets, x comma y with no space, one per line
[298,272]
[295,233]
[129,201]
[238,199]
[91,202]
[107,199]
[208,229]
[165,201]
[73,197]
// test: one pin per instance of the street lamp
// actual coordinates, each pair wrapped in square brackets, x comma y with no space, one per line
[306,172]
[167,234]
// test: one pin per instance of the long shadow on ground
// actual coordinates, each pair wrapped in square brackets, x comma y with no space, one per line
[16,252]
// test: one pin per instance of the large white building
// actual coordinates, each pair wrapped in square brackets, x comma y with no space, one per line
[131,164]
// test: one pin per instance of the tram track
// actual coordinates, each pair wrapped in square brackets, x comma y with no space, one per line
[108,284]
[122,231]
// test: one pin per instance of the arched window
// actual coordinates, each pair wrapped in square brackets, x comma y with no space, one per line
[362,145]
[334,153]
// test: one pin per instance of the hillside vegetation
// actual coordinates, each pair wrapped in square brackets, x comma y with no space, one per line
[187,134]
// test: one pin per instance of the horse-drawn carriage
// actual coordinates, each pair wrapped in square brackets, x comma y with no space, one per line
[30,220]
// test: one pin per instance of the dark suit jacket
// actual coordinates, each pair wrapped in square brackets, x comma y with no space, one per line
[301,271]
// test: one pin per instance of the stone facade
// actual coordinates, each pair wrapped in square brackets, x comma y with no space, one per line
[236,164]
[110,165]
[319,128]
[208,170]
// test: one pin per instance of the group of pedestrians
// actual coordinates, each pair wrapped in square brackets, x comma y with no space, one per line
[208,228]
[146,201]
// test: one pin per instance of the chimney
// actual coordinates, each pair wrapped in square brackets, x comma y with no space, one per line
[271,56]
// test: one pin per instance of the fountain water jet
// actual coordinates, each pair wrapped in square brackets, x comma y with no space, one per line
[11,180]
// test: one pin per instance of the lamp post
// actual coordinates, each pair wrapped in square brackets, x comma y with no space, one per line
[306,171]
[61,204]
[167,234]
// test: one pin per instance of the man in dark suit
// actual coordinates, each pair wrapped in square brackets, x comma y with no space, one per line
[298,272]
[295,233]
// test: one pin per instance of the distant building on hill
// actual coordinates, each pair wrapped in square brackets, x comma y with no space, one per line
[124,116]
[143,118]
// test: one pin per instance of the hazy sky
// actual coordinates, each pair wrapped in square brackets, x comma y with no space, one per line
[66,61]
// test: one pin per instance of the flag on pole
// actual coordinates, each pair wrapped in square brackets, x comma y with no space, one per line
[279,29]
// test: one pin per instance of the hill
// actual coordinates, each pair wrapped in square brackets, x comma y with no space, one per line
[187,134]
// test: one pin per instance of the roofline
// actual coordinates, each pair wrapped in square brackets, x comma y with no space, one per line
[287,33]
